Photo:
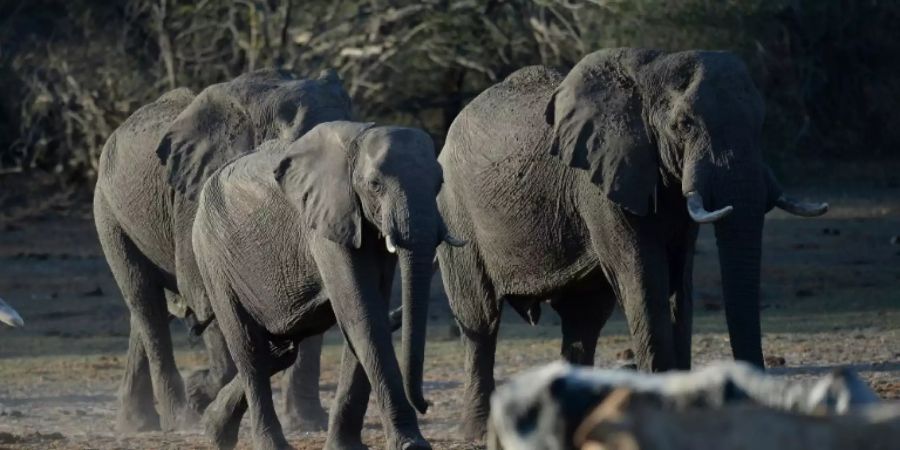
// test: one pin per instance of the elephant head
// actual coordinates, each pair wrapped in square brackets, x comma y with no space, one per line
[231,119]
[9,316]
[343,176]
[640,119]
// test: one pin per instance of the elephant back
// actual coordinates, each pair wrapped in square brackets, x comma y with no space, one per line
[228,120]
[505,121]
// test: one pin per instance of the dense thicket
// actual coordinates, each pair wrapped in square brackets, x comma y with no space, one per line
[72,70]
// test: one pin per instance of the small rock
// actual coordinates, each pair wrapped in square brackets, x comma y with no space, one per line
[802,293]
[831,231]
[774,361]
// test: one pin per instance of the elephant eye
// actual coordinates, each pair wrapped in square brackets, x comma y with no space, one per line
[684,123]
[375,185]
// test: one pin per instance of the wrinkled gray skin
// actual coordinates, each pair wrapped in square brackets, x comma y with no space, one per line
[151,171]
[571,189]
[541,408]
[293,238]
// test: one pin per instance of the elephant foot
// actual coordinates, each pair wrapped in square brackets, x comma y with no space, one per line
[473,428]
[409,443]
[336,443]
[222,430]
[184,419]
[271,441]
[135,421]
[306,420]
[202,387]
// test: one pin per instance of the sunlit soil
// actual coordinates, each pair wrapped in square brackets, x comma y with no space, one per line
[830,298]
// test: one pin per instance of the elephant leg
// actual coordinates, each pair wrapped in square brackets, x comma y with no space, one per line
[477,312]
[353,389]
[646,303]
[302,409]
[249,347]
[222,418]
[362,314]
[349,409]
[203,385]
[583,314]
[636,266]
[142,288]
[136,410]
[681,298]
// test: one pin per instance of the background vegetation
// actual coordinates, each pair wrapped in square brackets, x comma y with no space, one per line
[72,70]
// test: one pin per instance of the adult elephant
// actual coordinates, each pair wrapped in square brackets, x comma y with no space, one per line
[293,238]
[587,188]
[151,171]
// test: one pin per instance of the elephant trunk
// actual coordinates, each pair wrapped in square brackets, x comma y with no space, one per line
[410,230]
[736,193]
[415,275]
[739,239]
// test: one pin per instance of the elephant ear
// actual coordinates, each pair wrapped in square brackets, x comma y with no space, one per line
[211,131]
[599,126]
[315,176]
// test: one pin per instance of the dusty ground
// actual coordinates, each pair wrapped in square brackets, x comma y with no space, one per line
[831,297]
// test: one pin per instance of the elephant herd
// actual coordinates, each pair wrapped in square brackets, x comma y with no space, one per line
[262,214]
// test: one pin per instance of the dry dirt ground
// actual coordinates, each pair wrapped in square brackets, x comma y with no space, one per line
[831,297]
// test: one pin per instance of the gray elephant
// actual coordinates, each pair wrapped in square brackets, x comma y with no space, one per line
[9,316]
[588,188]
[151,170]
[293,238]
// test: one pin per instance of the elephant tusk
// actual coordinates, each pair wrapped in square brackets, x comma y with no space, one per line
[389,243]
[801,208]
[9,316]
[454,241]
[699,213]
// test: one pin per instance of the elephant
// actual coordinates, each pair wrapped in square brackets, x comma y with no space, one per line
[587,188]
[150,173]
[9,316]
[296,237]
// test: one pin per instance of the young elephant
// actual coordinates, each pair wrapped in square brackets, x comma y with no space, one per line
[294,238]
[588,188]
[151,171]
